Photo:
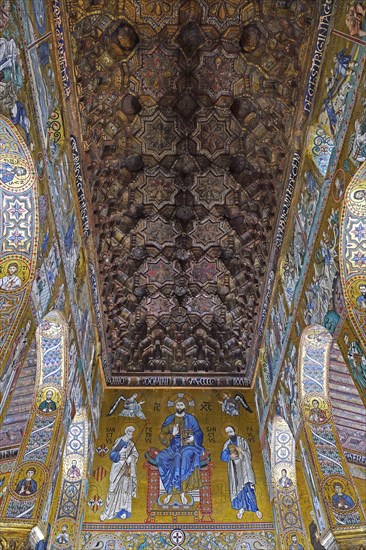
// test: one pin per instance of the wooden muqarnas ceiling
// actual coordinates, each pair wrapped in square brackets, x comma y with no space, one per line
[188,114]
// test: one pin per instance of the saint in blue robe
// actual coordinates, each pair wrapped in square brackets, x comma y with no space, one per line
[342,502]
[26,487]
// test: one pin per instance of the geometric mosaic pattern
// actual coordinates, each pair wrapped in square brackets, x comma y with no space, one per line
[74,470]
[286,498]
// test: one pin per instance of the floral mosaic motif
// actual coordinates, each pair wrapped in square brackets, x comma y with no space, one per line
[39,438]
[324,440]
[76,440]
[20,508]
[180,539]
[20,223]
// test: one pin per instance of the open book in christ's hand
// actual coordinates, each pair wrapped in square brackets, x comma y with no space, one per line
[185,437]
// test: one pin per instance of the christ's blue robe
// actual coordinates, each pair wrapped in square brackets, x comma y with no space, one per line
[176,463]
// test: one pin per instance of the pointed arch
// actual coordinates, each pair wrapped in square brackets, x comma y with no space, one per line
[31,479]
[323,457]
[352,254]
[285,495]
[19,231]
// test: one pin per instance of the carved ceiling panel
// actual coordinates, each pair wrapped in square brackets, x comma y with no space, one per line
[187,112]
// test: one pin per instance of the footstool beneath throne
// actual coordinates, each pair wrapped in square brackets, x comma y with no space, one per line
[200,503]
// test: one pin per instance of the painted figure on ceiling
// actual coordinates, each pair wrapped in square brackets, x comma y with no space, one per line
[285,482]
[73,472]
[11,281]
[122,478]
[48,405]
[295,545]
[27,486]
[236,452]
[340,500]
[179,463]
[316,414]
[131,407]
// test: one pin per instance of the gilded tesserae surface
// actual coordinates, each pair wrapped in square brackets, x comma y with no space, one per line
[188,456]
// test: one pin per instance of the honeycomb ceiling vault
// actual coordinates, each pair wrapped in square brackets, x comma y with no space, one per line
[187,112]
